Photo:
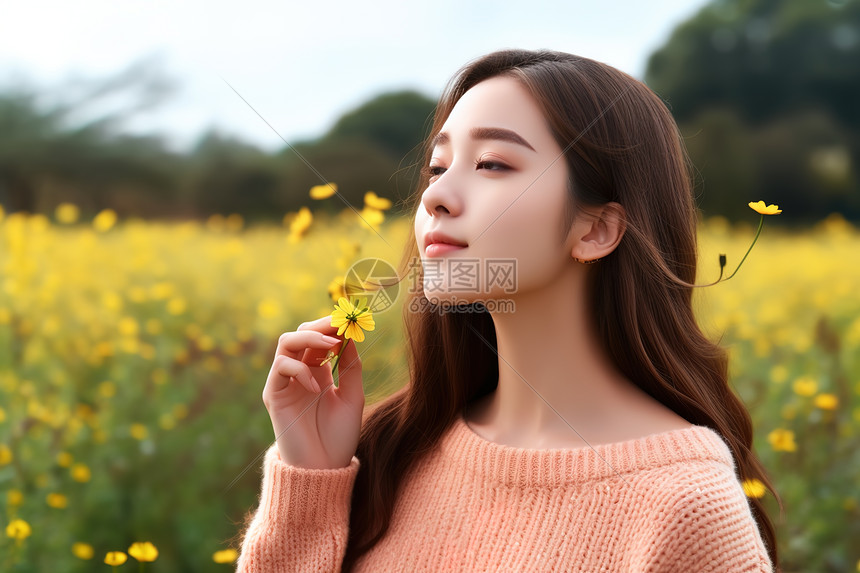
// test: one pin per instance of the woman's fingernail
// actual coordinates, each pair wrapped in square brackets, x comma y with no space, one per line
[330,339]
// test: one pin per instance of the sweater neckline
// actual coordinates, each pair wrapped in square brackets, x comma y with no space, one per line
[524,467]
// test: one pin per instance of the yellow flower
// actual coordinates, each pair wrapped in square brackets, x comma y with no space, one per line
[64,459]
[143,551]
[66,213]
[805,386]
[5,455]
[225,556]
[351,319]
[104,220]
[302,222]
[323,191]
[128,326]
[83,550]
[138,431]
[14,497]
[57,500]
[754,488]
[375,202]
[371,218]
[176,306]
[759,207]
[81,473]
[782,440]
[18,529]
[115,558]
[826,401]
[268,308]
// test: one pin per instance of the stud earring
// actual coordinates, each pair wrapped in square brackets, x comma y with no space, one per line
[584,261]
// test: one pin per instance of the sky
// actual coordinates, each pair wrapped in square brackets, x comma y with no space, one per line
[300,65]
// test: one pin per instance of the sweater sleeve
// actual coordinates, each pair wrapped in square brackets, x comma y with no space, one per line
[710,529]
[302,521]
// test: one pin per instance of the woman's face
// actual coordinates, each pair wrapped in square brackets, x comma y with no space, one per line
[498,185]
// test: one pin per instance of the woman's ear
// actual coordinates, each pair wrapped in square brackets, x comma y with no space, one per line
[598,233]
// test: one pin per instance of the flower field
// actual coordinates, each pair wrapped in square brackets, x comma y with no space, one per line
[133,356]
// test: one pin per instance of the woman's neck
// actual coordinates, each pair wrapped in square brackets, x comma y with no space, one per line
[556,383]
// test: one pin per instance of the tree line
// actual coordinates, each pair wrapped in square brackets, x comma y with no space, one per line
[765,94]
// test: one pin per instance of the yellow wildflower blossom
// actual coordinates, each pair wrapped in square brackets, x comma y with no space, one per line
[371,218]
[826,401]
[104,220]
[18,529]
[81,473]
[14,497]
[754,488]
[57,500]
[323,191]
[138,431]
[143,551]
[782,440]
[352,321]
[805,386]
[115,558]
[375,202]
[759,208]
[5,455]
[83,551]
[225,556]
[67,213]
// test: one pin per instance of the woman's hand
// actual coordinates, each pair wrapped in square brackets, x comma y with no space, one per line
[325,436]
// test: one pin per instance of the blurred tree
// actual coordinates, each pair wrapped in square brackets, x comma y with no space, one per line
[765,93]
[39,146]
[354,163]
[374,147]
[47,157]
[224,175]
[396,122]
[763,58]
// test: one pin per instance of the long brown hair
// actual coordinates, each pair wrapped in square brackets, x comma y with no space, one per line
[621,144]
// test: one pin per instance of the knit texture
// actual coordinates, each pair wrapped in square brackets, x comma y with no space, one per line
[665,502]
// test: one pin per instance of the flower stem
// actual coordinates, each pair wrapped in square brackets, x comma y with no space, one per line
[760,223]
[337,359]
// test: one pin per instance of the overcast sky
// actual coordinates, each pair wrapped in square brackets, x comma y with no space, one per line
[302,64]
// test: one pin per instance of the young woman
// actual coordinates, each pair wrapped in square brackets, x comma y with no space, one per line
[577,419]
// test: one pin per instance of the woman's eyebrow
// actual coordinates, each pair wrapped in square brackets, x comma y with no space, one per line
[484,133]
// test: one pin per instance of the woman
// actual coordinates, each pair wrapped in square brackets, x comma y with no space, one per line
[578,419]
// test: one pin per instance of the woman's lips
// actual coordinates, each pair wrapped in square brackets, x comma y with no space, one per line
[439,249]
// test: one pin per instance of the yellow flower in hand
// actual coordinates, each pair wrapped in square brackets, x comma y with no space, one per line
[352,320]
[759,208]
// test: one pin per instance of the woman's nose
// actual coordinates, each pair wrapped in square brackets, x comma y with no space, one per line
[441,197]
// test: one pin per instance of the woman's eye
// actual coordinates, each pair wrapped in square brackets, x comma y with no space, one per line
[499,166]
[432,171]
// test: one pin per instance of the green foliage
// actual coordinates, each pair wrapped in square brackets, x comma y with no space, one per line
[766,95]
[763,58]
[396,122]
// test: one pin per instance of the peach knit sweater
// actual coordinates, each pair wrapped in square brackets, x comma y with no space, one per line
[669,502]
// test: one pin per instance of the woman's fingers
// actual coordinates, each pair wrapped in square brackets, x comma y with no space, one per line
[293,344]
[289,368]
